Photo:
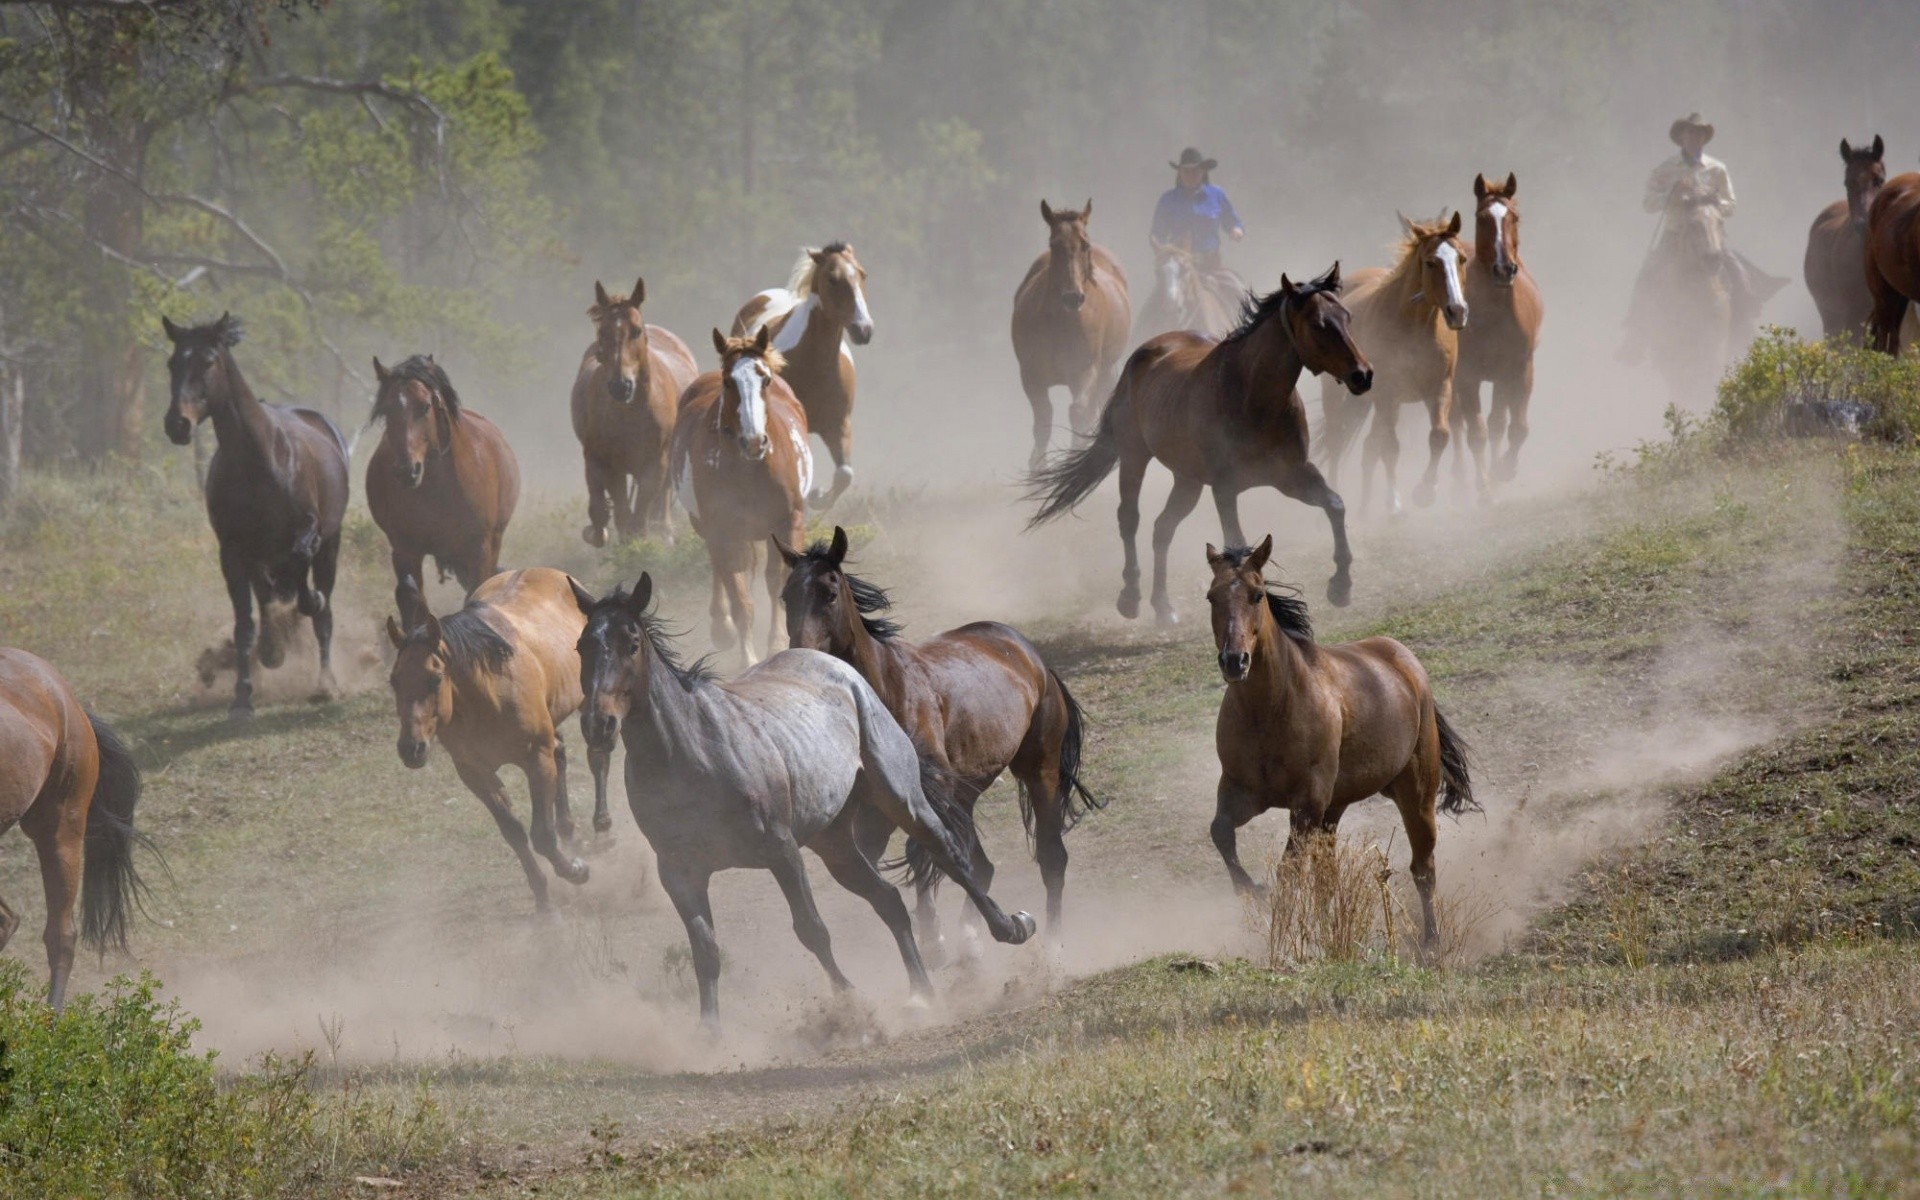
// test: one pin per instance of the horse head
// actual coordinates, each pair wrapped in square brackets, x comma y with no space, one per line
[1071,252]
[1318,325]
[422,694]
[1437,255]
[417,403]
[1866,175]
[620,335]
[1238,599]
[1496,228]
[818,599]
[200,367]
[748,366]
[612,662]
[841,284]
[1174,270]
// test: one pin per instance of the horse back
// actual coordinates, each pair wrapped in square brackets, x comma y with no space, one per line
[535,611]
[1893,233]
[673,356]
[977,688]
[47,746]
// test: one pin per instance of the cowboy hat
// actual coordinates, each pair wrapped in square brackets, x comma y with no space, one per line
[1191,157]
[1689,123]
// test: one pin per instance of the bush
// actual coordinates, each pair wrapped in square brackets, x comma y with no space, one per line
[1785,385]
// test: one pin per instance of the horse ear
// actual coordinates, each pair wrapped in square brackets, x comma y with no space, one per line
[639,295]
[1513,185]
[1286,285]
[394,633]
[1257,561]
[173,331]
[1086,210]
[1453,226]
[379,372]
[1046,212]
[1213,556]
[837,552]
[600,296]
[1879,147]
[763,339]
[581,596]
[1331,280]
[816,254]
[791,557]
[1479,187]
[719,342]
[433,629]
[642,595]
[1406,226]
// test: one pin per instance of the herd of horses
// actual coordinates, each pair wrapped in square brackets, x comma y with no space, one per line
[848,731]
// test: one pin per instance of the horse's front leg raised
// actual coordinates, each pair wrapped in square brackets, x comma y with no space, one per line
[1180,502]
[486,785]
[543,780]
[1303,482]
[1439,412]
[838,435]
[240,592]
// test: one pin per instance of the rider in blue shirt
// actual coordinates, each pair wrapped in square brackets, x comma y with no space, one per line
[1196,212]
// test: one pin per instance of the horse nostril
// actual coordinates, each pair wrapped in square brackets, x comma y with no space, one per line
[1074,300]
[1359,381]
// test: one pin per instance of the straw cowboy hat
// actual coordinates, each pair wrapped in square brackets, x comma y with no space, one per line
[1691,123]
[1191,157]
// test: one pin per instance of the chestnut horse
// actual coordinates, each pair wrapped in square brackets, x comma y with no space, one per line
[1313,729]
[742,466]
[977,700]
[1497,347]
[1186,298]
[1410,317]
[71,784]
[1070,324]
[442,481]
[1222,414]
[494,682]
[822,308]
[624,401]
[1837,245]
[1893,257]
[276,494]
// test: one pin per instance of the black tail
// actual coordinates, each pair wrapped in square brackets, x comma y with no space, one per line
[1456,789]
[109,885]
[1075,800]
[952,799]
[1073,474]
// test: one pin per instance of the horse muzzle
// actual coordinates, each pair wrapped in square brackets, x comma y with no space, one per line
[411,473]
[1359,380]
[1073,300]
[1456,316]
[413,752]
[1506,273]
[621,390]
[179,429]
[860,333]
[1235,664]
[599,730]
[755,449]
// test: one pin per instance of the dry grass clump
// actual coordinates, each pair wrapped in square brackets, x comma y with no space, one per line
[1339,900]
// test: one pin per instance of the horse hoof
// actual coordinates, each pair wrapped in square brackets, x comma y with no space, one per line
[1339,591]
[1129,604]
[240,714]
[933,952]
[594,535]
[602,822]
[1024,927]
[1166,618]
[920,1002]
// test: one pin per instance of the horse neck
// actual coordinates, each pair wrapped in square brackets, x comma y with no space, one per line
[1403,283]
[1278,664]
[820,341]
[1265,366]
[239,419]
[880,663]
[664,719]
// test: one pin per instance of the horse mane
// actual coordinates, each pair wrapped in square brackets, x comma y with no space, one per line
[420,369]
[223,333]
[470,641]
[1289,610]
[596,312]
[870,599]
[776,361]
[1255,309]
[1405,272]
[660,637]
[800,279]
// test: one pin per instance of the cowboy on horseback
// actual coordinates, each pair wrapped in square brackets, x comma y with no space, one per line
[1194,212]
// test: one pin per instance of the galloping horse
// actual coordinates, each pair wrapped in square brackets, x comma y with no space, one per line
[1837,245]
[1070,322]
[1184,297]
[745,773]
[1313,729]
[1221,414]
[822,308]
[71,784]
[624,401]
[1497,347]
[276,494]
[442,481]
[494,682]
[1409,316]
[1893,257]
[976,700]
[742,466]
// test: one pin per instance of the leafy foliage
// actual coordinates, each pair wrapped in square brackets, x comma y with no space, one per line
[1784,383]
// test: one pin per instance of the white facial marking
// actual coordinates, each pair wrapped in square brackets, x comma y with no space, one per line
[860,314]
[753,405]
[796,326]
[1498,212]
[1450,264]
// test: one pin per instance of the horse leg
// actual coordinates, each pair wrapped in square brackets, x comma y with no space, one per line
[854,871]
[1133,469]
[325,567]
[1511,398]
[240,592]
[1468,413]
[687,888]
[1303,482]
[1084,396]
[486,785]
[409,564]
[598,763]
[1180,502]
[1889,309]
[1383,446]
[838,435]
[1416,804]
[1233,807]
[543,781]
[719,609]
[58,830]
[1049,840]
[776,575]
[740,599]
[1226,500]
[791,873]
[562,801]
[1439,411]
[270,649]
[599,509]
[650,497]
[1042,406]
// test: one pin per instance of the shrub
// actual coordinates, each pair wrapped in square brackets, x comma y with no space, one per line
[1786,385]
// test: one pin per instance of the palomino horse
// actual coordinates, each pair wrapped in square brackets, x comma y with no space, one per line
[494,682]
[1070,322]
[1893,257]
[1185,297]
[1313,729]
[1410,317]
[276,493]
[624,401]
[745,773]
[1221,414]
[70,784]
[822,308]
[1837,245]
[742,466]
[976,700]
[1497,348]
[442,481]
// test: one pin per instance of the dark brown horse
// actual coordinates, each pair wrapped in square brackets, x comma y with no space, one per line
[442,481]
[276,494]
[822,308]
[1222,414]
[1313,729]
[976,700]
[1837,245]
[70,784]
[1893,257]
[624,401]
[1497,347]
[1070,325]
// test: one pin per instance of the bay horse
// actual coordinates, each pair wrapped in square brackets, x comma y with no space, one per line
[624,401]
[745,773]
[71,784]
[1837,245]
[493,683]
[1222,414]
[443,481]
[1410,317]
[276,493]
[742,467]
[1183,296]
[1497,346]
[822,309]
[1070,324]
[1314,729]
[1893,257]
[977,701]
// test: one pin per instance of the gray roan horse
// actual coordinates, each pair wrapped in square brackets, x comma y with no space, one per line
[798,751]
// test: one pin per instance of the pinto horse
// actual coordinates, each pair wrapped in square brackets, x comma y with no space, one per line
[276,494]
[442,481]
[1313,729]
[1497,347]
[792,754]
[977,701]
[822,308]
[71,784]
[742,466]
[1410,317]
[1184,297]
[1070,323]
[1837,245]
[624,401]
[1893,257]
[1222,414]
[494,682]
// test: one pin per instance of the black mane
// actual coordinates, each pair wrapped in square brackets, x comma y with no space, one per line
[654,628]
[869,598]
[1289,610]
[222,333]
[836,246]
[470,641]
[423,370]
[1255,309]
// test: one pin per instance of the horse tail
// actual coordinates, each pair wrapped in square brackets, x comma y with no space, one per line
[1456,788]
[951,799]
[1073,474]
[1075,800]
[109,884]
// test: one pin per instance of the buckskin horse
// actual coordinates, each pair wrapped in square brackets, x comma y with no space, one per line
[1497,346]
[1314,729]
[822,308]
[1837,245]
[1893,257]
[443,481]
[977,701]
[624,401]
[71,784]
[1222,414]
[494,682]
[276,493]
[1070,324]
[747,772]
[742,466]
